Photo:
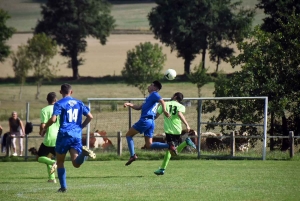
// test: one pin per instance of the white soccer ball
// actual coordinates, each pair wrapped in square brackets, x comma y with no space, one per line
[170,74]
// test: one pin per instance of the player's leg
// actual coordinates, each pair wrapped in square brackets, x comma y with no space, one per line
[63,144]
[148,134]
[80,153]
[187,142]
[171,139]
[43,153]
[51,177]
[61,172]
[129,137]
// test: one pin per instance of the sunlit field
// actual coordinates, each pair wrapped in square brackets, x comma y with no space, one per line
[208,180]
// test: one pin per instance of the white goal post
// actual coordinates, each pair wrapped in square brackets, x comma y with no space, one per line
[199,117]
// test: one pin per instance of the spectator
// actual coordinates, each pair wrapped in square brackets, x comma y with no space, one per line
[16,129]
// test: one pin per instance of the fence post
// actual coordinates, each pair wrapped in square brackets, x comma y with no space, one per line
[119,143]
[291,136]
[232,143]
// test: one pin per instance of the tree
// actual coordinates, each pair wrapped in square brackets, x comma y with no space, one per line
[143,65]
[70,22]
[270,67]
[5,34]
[199,77]
[272,9]
[21,65]
[41,49]
[191,27]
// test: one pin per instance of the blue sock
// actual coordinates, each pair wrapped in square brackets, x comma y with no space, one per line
[80,159]
[159,145]
[62,176]
[130,143]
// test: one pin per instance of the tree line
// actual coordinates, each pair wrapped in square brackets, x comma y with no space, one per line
[268,54]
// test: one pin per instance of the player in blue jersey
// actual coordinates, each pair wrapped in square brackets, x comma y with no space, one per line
[146,124]
[70,112]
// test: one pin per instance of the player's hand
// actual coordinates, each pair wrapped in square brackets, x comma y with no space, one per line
[167,114]
[188,128]
[127,104]
[42,132]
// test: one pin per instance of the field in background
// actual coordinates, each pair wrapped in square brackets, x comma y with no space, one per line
[207,180]
[102,60]
[128,14]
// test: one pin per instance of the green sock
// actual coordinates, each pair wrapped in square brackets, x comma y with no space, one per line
[50,176]
[181,146]
[46,160]
[166,160]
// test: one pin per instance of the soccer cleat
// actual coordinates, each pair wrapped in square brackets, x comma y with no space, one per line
[52,181]
[172,148]
[53,168]
[15,154]
[159,172]
[131,159]
[62,190]
[190,142]
[88,152]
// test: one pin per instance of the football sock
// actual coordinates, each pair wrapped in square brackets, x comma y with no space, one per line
[181,146]
[50,176]
[166,160]
[46,160]
[62,176]
[130,143]
[159,145]
[80,159]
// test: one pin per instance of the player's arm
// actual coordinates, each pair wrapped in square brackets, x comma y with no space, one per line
[163,104]
[135,107]
[42,126]
[49,123]
[182,118]
[87,120]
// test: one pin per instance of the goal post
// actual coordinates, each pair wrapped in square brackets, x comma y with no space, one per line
[198,116]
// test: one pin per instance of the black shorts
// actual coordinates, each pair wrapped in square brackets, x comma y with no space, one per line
[45,151]
[173,138]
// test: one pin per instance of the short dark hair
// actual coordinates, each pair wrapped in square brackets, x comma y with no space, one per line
[157,84]
[179,96]
[51,97]
[65,88]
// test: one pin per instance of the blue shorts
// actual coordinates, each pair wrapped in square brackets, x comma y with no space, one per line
[65,142]
[145,126]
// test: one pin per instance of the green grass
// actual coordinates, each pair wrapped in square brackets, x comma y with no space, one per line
[184,180]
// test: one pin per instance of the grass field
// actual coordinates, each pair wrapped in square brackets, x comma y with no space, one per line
[207,180]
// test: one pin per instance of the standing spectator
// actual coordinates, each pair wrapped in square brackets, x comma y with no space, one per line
[16,129]
[70,112]
[47,148]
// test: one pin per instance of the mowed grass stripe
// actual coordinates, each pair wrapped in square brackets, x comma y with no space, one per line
[184,180]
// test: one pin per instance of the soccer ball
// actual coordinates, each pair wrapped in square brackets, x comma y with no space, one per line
[170,74]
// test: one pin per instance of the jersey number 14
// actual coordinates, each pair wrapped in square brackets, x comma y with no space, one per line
[73,115]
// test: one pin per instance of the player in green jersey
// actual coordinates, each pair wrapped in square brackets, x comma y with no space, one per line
[173,128]
[47,148]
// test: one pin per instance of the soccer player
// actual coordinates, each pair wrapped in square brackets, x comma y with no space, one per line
[146,124]
[173,128]
[70,112]
[47,148]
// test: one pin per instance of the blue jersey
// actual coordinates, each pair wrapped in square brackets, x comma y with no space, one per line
[150,105]
[70,111]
